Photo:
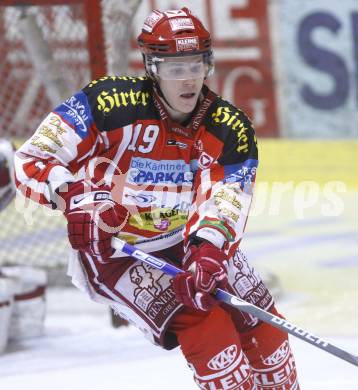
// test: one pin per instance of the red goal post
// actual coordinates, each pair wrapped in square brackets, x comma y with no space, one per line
[72,35]
[49,49]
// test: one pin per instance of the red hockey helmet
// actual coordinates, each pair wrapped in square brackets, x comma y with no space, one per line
[174,33]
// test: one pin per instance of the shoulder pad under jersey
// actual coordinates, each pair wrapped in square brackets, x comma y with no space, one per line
[118,101]
[234,129]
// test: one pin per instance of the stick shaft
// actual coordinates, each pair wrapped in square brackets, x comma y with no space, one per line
[232,300]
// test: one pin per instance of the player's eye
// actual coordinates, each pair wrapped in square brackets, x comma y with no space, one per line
[196,68]
[177,70]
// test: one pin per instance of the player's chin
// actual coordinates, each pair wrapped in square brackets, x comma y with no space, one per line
[187,104]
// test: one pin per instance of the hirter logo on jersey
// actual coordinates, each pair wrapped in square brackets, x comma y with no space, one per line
[187,44]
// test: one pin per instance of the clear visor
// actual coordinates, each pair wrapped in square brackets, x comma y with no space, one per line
[180,68]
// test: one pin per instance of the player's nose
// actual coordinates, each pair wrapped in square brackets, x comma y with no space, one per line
[189,82]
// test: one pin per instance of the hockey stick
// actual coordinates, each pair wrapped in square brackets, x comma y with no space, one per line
[223,296]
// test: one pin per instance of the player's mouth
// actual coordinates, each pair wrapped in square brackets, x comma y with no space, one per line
[188,95]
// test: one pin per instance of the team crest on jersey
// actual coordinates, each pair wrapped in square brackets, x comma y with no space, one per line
[205,160]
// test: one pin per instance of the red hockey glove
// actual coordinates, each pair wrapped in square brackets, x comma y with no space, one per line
[206,270]
[92,218]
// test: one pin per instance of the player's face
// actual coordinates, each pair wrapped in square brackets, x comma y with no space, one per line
[181,80]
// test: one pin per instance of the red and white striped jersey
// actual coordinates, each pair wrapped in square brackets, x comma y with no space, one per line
[175,179]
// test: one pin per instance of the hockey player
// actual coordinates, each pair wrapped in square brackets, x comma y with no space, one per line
[164,163]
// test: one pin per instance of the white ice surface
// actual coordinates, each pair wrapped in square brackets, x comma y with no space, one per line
[81,351]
